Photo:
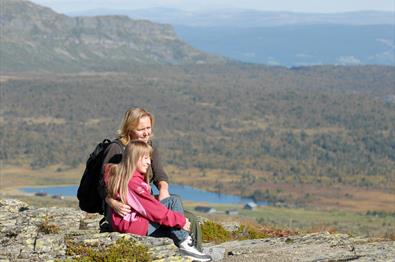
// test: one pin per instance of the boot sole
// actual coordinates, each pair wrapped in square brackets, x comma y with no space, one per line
[194,257]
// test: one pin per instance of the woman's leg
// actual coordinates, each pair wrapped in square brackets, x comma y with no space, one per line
[196,229]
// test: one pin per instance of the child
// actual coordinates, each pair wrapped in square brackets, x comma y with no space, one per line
[128,182]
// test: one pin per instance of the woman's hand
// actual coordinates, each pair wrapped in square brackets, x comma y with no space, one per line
[163,195]
[187,226]
[118,207]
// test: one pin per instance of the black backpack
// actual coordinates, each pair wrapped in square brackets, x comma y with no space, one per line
[88,193]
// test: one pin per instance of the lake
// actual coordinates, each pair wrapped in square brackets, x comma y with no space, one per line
[186,193]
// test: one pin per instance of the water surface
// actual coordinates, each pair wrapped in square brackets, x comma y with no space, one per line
[186,193]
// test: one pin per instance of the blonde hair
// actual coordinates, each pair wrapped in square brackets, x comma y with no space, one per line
[121,173]
[130,122]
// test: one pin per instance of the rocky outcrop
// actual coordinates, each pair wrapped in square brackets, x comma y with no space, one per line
[24,238]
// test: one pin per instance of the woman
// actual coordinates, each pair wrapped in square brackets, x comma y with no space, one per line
[137,124]
[128,182]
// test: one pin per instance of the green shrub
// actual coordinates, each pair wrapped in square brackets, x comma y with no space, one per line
[247,232]
[122,250]
[213,232]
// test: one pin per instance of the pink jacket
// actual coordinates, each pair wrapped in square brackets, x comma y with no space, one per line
[144,207]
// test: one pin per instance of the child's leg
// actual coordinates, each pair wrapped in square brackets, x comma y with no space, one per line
[174,203]
[178,235]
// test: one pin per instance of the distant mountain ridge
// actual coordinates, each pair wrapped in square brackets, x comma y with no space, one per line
[37,38]
[245,17]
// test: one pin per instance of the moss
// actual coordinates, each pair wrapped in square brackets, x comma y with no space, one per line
[288,241]
[122,250]
[213,232]
[247,232]
[47,228]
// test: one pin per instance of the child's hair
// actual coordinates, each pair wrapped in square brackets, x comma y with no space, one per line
[121,173]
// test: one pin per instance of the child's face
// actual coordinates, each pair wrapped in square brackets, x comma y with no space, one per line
[143,164]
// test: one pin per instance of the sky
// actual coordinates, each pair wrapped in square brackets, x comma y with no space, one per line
[320,6]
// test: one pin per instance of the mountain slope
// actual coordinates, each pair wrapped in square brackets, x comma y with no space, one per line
[35,37]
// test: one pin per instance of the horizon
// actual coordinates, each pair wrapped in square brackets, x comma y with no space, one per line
[303,6]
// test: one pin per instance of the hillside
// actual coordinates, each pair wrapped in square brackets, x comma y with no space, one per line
[273,133]
[35,38]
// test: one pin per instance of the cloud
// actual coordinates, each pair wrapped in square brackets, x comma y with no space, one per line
[348,60]
[387,57]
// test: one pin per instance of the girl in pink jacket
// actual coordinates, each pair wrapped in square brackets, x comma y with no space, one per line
[128,182]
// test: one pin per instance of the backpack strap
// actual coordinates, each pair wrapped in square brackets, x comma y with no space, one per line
[120,144]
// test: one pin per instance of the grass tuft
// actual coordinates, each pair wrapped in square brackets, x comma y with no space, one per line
[47,228]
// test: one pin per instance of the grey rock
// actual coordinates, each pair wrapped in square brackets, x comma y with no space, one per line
[311,247]
[216,253]
[12,205]
[231,226]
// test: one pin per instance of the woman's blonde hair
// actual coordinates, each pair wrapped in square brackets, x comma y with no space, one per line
[130,122]
[121,173]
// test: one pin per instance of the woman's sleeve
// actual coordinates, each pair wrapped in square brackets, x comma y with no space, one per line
[157,169]
[147,206]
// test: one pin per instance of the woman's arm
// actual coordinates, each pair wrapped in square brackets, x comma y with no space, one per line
[163,187]
[160,177]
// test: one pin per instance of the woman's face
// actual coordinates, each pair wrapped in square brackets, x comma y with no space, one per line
[143,131]
[143,164]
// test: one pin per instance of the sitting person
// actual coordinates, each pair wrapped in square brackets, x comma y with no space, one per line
[128,182]
[137,124]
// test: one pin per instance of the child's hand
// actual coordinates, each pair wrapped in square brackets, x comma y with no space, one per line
[187,226]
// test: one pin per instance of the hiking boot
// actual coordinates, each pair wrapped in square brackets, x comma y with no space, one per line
[104,225]
[187,249]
